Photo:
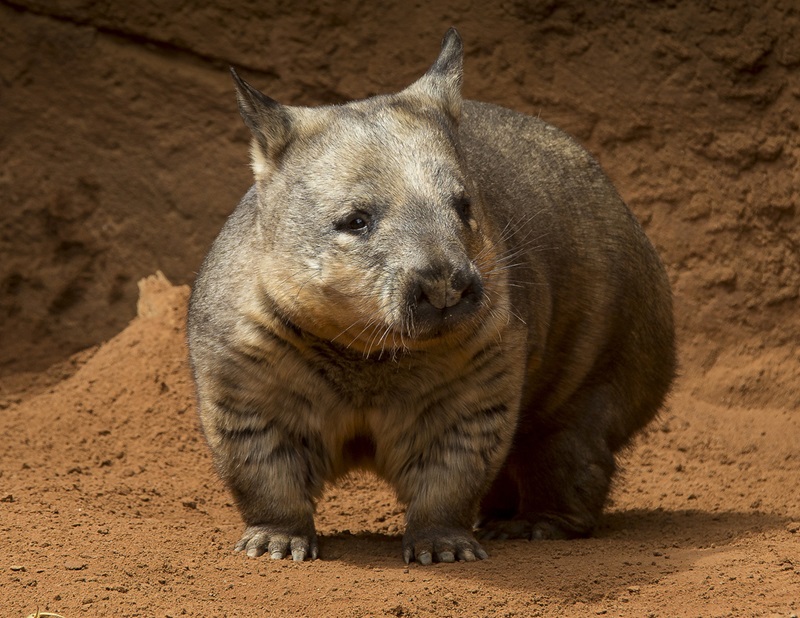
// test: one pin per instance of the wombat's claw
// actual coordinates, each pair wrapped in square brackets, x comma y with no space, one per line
[259,540]
[441,545]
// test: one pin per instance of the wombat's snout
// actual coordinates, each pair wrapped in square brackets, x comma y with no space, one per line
[440,297]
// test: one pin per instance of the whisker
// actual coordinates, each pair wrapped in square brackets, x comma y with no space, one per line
[344,331]
[363,330]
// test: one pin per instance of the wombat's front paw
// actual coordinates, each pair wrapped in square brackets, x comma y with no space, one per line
[258,540]
[440,544]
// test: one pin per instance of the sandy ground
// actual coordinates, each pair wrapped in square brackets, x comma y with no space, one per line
[121,153]
[111,507]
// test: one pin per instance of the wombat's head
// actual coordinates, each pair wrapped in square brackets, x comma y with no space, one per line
[373,235]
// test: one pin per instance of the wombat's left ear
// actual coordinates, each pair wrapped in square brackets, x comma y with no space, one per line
[268,121]
[442,82]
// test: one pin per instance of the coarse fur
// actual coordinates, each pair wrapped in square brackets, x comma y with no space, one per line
[446,292]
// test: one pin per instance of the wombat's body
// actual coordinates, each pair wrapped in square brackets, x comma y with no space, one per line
[448,293]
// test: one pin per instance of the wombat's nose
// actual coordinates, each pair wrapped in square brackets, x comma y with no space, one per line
[445,292]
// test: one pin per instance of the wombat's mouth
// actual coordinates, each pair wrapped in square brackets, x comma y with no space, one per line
[420,326]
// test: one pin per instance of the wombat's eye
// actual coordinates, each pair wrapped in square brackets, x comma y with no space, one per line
[355,223]
[463,207]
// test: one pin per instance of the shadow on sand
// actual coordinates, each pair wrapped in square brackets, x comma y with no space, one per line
[629,549]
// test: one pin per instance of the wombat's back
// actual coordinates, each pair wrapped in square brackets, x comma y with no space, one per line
[587,281]
[597,304]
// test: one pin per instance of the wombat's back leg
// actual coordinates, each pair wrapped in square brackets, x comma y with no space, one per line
[562,470]
[502,500]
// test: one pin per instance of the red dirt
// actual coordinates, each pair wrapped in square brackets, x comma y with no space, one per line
[122,153]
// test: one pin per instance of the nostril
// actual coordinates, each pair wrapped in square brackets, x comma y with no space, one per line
[459,281]
[469,291]
[418,293]
[463,284]
[453,297]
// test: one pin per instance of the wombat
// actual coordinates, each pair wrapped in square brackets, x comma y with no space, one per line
[446,292]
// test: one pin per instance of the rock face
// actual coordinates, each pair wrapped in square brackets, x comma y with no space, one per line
[122,151]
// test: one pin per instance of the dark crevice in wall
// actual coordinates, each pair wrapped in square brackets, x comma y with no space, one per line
[134,38]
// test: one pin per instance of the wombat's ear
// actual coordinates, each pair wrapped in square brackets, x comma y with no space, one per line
[442,82]
[268,121]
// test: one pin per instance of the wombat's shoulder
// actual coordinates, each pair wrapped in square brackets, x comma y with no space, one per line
[523,164]
[226,267]
[501,119]
[493,136]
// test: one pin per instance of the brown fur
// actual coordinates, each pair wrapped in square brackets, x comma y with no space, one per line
[446,292]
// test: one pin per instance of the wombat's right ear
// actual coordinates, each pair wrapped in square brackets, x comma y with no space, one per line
[442,82]
[268,121]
